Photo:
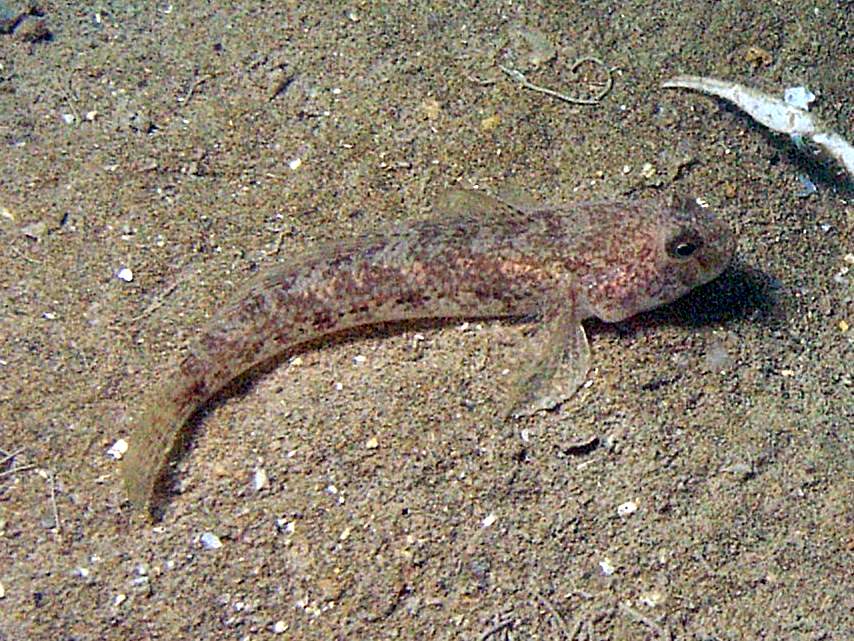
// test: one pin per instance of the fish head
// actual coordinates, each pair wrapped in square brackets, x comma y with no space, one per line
[653,254]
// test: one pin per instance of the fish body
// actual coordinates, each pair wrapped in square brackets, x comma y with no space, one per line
[476,256]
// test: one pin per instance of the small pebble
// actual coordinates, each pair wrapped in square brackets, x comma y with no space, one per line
[652,599]
[489,520]
[279,627]
[607,567]
[259,480]
[295,164]
[285,527]
[118,449]
[628,508]
[431,108]
[490,122]
[808,187]
[125,274]
[647,171]
[210,541]
[372,443]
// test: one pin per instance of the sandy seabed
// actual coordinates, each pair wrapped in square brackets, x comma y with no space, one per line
[157,154]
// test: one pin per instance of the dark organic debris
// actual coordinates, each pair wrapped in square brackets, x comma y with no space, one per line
[31,31]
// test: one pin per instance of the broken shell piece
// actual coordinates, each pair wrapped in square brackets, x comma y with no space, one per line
[772,112]
[535,47]
[259,479]
[210,541]
[118,449]
[764,109]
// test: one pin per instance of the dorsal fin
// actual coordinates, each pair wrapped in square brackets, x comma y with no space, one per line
[518,198]
[468,202]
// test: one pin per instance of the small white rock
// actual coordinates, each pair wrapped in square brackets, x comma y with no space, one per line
[68,119]
[125,274]
[652,599]
[259,480]
[490,519]
[210,541]
[118,449]
[607,567]
[279,627]
[287,527]
[120,598]
[627,508]
[295,164]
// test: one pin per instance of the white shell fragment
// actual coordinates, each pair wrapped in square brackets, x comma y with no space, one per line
[259,479]
[118,449]
[628,508]
[774,113]
[210,541]
[607,567]
[125,274]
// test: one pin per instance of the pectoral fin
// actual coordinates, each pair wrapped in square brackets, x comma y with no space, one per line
[561,360]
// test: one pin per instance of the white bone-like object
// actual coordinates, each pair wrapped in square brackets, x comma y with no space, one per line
[772,112]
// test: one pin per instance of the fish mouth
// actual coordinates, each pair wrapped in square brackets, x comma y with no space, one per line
[719,254]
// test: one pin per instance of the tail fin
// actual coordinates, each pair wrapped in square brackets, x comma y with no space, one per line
[152,441]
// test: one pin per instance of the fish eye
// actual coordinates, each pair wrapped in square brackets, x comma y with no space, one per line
[684,245]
